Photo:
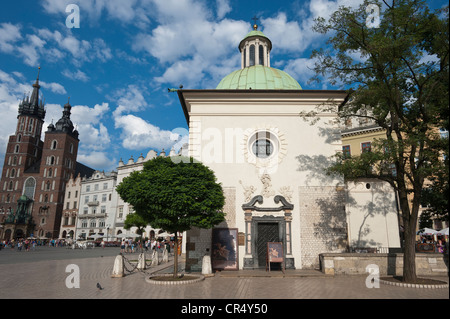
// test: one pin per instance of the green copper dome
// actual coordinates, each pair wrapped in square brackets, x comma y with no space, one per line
[258,77]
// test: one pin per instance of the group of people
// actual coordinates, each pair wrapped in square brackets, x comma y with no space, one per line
[441,244]
[130,246]
[20,244]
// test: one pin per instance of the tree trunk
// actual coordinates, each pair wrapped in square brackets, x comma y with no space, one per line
[409,255]
[175,257]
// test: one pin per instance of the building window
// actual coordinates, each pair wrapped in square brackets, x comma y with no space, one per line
[104,197]
[54,145]
[261,55]
[245,58]
[262,148]
[346,151]
[365,147]
[105,185]
[88,188]
[16,149]
[252,55]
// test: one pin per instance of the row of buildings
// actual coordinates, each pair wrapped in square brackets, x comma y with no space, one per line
[93,209]
[248,130]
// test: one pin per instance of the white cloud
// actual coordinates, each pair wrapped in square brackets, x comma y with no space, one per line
[300,69]
[54,87]
[130,99]
[209,47]
[97,159]
[130,11]
[87,115]
[9,35]
[223,7]
[52,46]
[139,134]
[75,75]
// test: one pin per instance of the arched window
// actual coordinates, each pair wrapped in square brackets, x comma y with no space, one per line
[48,185]
[49,172]
[13,173]
[30,125]
[10,186]
[245,58]
[29,188]
[16,149]
[261,55]
[54,145]
[252,55]
[19,137]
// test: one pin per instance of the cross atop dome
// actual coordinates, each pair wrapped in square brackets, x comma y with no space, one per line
[255,26]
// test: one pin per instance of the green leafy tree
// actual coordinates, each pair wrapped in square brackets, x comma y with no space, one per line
[174,194]
[400,81]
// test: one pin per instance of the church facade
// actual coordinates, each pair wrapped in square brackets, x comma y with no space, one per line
[271,164]
[35,171]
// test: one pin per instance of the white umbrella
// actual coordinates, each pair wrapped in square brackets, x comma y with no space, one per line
[427,231]
[95,236]
[442,232]
[121,235]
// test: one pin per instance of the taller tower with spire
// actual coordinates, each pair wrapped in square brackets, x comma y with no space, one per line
[35,172]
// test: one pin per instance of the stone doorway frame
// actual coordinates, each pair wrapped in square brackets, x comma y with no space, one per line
[251,229]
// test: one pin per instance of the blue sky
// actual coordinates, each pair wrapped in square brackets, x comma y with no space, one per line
[116,67]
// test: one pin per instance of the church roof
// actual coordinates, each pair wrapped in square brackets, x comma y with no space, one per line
[256,33]
[259,77]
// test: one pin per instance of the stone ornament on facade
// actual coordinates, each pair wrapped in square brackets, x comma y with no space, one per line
[267,186]
[248,191]
[286,192]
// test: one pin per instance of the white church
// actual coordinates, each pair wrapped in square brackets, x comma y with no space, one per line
[270,163]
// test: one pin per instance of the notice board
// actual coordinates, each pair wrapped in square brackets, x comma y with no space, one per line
[275,254]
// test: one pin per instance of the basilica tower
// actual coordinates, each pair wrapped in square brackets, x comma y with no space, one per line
[35,172]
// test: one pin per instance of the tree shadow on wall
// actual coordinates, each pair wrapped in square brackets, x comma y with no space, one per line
[337,205]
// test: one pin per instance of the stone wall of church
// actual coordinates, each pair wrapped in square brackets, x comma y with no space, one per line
[323,225]
[198,241]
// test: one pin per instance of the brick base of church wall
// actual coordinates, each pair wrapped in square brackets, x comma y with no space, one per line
[198,244]
[323,227]
[427,264]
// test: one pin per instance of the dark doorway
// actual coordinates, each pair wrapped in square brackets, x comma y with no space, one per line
[267,232]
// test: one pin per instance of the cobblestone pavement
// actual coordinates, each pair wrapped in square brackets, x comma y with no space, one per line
[42,275]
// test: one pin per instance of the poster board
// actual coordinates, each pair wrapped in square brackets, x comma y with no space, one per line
[224,251]
[275,254]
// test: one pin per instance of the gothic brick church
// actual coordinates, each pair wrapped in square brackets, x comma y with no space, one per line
[35,172]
